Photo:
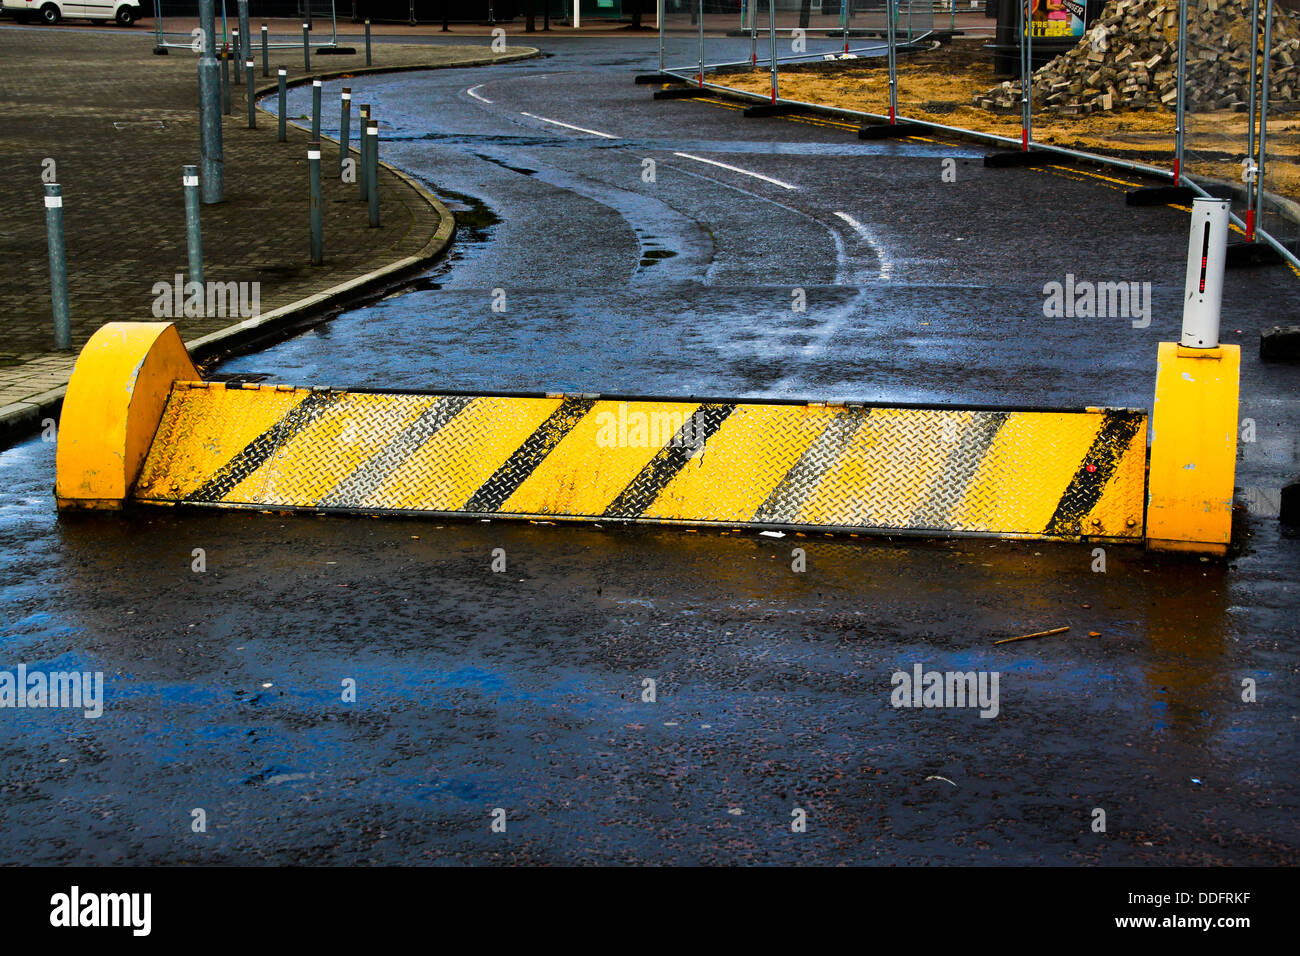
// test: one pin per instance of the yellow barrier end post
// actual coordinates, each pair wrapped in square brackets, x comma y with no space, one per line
[1194,419]
[115,399]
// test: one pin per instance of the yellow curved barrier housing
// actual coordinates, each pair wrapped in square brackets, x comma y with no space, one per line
[1193,449]
[114,402]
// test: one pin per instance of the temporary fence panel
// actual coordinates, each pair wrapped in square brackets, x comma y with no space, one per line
[1277,201]
[173,21]
[1219,90]
[921,86]
[681,37]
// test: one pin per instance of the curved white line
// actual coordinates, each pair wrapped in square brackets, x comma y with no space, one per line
[481,99]
[885,264]
[580,129]
[737,169]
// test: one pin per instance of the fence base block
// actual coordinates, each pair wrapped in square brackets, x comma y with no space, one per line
[1020,157]
[1159,195]
[1247,254]
[890,130]
[1280,344]
[681,93]
[768,109]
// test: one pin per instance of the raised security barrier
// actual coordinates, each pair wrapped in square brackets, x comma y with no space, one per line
[852,468]
[169,438]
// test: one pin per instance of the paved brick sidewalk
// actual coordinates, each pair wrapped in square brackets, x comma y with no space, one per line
[119,123]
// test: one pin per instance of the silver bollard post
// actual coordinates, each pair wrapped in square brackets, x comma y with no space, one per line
[252,100]
[266,62]
[58,265]
[284,100]
[317,242]
[193,232]
[245,51]
[1207,250]
[237,53]
[315,110]
[210,152]
[367,43]
[372,140]
[345,128]
[306,46]
[225,80]
[364,154]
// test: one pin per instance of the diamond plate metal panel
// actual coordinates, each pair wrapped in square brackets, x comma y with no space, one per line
[1002,472]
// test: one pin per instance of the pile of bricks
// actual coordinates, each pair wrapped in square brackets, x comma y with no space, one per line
[1128,59]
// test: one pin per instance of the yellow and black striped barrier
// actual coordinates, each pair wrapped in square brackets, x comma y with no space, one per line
[762,465]
[845,467]
[141,425]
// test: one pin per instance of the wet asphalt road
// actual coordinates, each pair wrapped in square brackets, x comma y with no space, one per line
[522,690]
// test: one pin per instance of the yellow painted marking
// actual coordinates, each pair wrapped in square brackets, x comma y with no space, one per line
[202,429]
[1026,470]
[454,463]
[1093,175]
[744,460]
[1118,512]
[1188,209]
[875,480]
[342,438]
[599,457]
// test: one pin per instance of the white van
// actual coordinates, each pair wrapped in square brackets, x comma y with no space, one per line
[125,12]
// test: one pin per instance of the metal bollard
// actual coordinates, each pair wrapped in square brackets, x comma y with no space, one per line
[345,128]
[317,243]
[245,51]
[284,100]
[367,43]
[1207,249]
[315,111]
[252,100]
[362,153]
[193,233]
[266,63]
[58,265]
[372,140]
[237,53]
[306,46]
[210,152]
[225,80]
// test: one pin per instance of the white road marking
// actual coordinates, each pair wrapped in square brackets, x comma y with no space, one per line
[481,99]
[580,129]
[886,264]
[737,169]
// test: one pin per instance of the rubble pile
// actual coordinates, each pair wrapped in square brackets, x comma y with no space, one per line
[1128,59]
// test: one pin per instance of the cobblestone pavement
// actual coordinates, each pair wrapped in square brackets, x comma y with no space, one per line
[115,124]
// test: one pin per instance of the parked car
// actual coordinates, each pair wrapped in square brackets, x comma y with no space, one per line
[124,12]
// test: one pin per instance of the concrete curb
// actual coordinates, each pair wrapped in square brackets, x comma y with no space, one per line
[20,419]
